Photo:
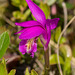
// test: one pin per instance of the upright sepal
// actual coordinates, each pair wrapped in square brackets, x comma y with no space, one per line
[37,12]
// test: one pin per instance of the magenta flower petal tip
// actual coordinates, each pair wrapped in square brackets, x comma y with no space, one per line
[16,23]
[58,18]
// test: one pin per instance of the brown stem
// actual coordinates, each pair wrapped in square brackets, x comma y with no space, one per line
[8,21]
[65,15]
[47,62]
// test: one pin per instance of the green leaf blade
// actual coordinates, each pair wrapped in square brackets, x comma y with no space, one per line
[57,34]
[4,42]
[33,72]
[12,72]
[46,9]
[53,59]
[3,70]
[27,72]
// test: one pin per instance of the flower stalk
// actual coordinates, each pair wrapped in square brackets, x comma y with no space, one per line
[47,66]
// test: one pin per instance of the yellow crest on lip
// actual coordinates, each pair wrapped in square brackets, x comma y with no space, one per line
[29,44]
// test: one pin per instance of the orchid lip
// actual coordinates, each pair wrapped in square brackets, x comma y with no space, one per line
[29,44]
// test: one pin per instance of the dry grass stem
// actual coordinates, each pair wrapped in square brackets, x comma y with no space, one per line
[59,41]
[65,15]
[39,64]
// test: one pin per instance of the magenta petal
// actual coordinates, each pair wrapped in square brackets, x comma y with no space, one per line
[37,12]
[48,34]
[22,47]
[33,32]
[34,49]
[32,55]
[28,23]
[53,23]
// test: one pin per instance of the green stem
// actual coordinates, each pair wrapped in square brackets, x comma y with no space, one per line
[47,66]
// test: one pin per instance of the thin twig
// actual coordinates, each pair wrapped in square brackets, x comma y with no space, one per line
[59,41]
[8,21]
[13,58]
[65,15]
[39,63]
[49,49]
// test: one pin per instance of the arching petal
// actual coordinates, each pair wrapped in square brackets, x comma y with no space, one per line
[37,12]
[33,32]
[53,23]
[29,23]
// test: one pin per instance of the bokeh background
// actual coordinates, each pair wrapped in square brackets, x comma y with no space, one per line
[12,11]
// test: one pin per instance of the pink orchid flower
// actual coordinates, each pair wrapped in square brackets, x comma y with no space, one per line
[34,29]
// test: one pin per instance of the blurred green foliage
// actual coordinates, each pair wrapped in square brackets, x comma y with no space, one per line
[3,70]
[45,9]
[4,43]
[53,59]
[33,72]
[19,3]
[69,5]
